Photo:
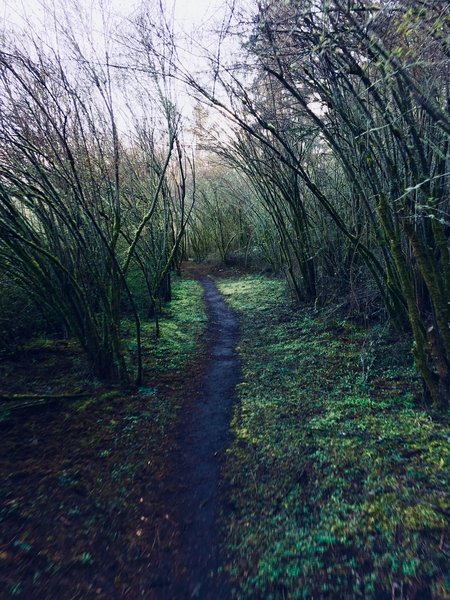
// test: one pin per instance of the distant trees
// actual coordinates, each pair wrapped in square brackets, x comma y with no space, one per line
[281,195]
[218,224]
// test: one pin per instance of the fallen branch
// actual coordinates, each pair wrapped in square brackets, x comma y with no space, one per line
[6,397]
[17,401]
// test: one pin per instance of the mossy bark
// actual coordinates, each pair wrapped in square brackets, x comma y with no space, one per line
[421,349]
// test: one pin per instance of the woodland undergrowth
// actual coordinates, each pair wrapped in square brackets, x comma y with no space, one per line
[338,476]
[82,513]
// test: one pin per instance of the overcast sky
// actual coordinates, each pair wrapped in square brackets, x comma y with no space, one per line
[193,19]
[189,14]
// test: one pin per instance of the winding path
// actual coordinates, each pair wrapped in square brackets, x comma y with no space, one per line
[205,435]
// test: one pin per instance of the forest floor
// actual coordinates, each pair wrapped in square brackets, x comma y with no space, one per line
[334,483]
[338,475]
[102,496]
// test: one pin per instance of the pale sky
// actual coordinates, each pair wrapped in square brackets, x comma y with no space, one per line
[193,20]
[189,14]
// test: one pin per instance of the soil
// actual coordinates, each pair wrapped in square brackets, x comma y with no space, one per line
[93,504]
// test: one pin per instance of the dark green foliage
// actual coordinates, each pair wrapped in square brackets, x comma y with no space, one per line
[19,317]
[89,225]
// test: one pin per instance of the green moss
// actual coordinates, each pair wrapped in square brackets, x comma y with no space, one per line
[182,322]
[87,403]
[339,484]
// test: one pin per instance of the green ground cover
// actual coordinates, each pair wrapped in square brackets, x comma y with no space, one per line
[338,479]
[182,322]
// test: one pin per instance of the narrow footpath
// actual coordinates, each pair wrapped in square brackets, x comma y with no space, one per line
[204,437]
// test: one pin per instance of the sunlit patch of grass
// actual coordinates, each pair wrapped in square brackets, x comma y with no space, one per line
[181,323]
[338,481]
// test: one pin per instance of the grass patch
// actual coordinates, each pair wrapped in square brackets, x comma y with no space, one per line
[182,321]
[338,480]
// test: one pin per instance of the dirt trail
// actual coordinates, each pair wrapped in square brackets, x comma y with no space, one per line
[204,437]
